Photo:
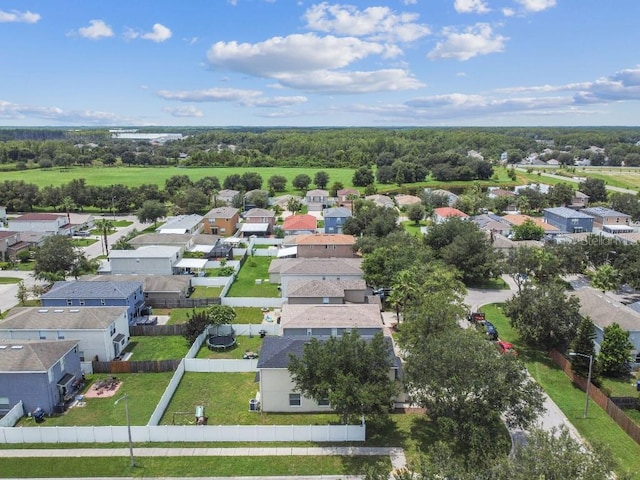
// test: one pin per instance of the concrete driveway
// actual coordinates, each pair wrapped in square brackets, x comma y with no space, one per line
[8,292]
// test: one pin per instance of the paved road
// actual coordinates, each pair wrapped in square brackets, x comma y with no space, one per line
[8,292]
[575,180]
[97,249]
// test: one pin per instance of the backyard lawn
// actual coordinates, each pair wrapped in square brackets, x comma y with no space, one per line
[244,343]
[598,427]
[206,292]
[243,314]
[254,268]
[144,391]
[411,227]
[166,347]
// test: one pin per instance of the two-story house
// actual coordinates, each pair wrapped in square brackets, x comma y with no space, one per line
[335,218]
[259,222]
[568,220]
[300,224]
[221,221]
[225,196]
[116,293]
[316,200]
[325,245]
[150,260]
[9,245]
[48,223]
[102,333]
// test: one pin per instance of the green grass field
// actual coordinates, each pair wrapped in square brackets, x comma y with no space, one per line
[83,242]
[243,314]
[206,292]
[245,285]
[166,347]
[598,427]
[9,280]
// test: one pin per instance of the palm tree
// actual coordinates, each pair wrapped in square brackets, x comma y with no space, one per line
[104,226]
[68,204]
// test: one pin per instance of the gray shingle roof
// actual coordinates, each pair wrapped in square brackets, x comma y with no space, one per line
[316,266]
[366,315]
[53,318]
[604,310]
[152,283]
[149,251]
[32,355]
[323,288]
[221,212]
[337,212]
[566,212]
[82,290]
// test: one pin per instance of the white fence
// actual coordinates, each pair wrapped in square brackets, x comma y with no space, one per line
[210,281]
[186,433]
[167,395]
[15,414]
[268,302]
[86,367]
[248,329]
[225,365]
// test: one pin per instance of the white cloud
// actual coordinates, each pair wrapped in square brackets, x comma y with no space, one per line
[294,53]
[275,102]
[376,22]
[471,6]
[159,33]
[186,111]
[210,95]
[475,40]
[16,111]
[536,5]
[327,81]
[191,41]
[97,29]
[14,16]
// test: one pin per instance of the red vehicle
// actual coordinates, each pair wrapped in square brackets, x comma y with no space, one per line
[506,348]
[475,317]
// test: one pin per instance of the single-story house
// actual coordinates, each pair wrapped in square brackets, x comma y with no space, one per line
[151,260]
[492,223]
[335,218]
[568,220]
[381,200]
[327,292]
[605,311]
[160,291]
[81,221]
[442,214]
[43,374]
[300,224]
[191,224]
[221,221]
[78,293]
[101,332]
[323,321]
[407,200]
[284,270]
[325,245]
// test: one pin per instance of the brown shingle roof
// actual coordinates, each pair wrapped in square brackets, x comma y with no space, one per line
[325,239]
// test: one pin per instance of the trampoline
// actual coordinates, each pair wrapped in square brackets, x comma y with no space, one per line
[221,337]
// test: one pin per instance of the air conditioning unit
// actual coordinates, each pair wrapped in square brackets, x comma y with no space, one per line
[254,405]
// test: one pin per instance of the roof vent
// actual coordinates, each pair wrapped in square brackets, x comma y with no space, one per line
[3,347]
[16,347]
[43,310]
[58,310]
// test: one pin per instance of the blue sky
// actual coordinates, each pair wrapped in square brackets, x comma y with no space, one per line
[314,63]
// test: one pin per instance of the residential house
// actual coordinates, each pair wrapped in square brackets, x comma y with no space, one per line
[346,196]
[604,311]
[284,270]
[47,223]
[407,200]
[10,245]
[301,322]
[81,221]
[311,292]
[605,218]
[518,219]
[226,196]
[442,214]
[221,221]
[102,333]
[541,187]
[335,218]
[381,200]
[78,293]
[300,224]
[3,215]
[325,245]
[191,224]
[150,260]
[259,222]
[568,220]
[449,198]
[160,291]
[579,200]
[494,192]
[504,244]
[316,200]
[492,223]
[41,374]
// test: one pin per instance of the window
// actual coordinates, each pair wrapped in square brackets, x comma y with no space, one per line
[223,230]
[62,364]
[112,329]
[214,230]
[324,402]
[42,335]
[50,375]
[81,355]
[294,400]
[60,335]
[325,299]
[103,301]
[81,302]
[4,402]
[69,302]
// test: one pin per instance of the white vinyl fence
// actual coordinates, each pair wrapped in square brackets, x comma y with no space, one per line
[15,414]
[252,302]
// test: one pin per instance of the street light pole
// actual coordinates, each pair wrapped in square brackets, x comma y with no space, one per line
[590,357]
[126,412]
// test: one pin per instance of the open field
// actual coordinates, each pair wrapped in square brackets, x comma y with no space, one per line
[598,428]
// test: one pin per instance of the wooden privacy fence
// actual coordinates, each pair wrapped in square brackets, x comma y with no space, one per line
[157,330]
[183,302]
[615,412]
[146,366]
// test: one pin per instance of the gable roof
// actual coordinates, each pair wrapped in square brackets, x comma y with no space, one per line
[151,283]
[29,217]
[380,200]
[604,212]
[325,239]
[47,318]
[316,266]
[605,311]
[343,192]
[181,222]
[337,212]
[445,212]
[32,355]
[84,289]
[567,212]
[148,251]
[259,212]
[300,222]
[323,288]
[514,219]
[221,212]
[402,200]
[361,315]
[317,193]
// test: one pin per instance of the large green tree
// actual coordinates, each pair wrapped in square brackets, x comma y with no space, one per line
[57,258]
[584,344]
[615,352]
[350,372]
[544,316]
[467,387]
[595,188]
[528,230]
[151,211]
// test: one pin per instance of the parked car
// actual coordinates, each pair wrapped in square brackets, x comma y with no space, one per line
[506,348]
[475,317]
[488,328]
[82,233]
